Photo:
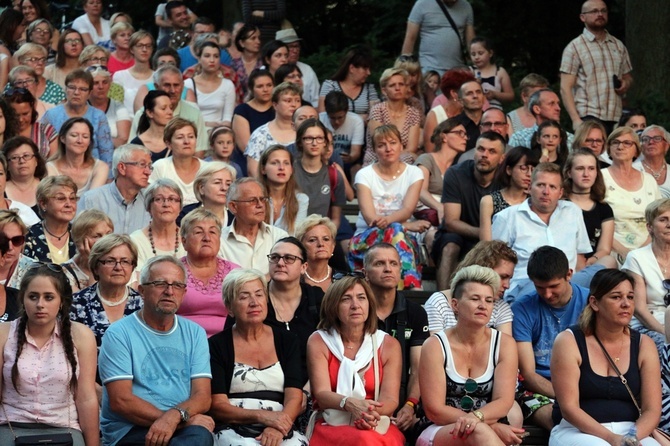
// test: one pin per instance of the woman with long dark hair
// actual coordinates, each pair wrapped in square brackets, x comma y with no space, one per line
[70,46]
[156,115]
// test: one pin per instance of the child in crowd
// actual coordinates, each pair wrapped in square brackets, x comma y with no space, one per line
[495,81]
[221,146]
[551,141]
[431,87]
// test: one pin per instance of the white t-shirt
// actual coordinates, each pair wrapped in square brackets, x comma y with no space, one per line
[130,86]
[351,132]
[217,105]
[26,213]
[387,196]
[115,113]
[642,261]
[84,26]
[164,168]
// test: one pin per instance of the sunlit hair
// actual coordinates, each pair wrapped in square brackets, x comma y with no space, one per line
[88,52]
[602,283]
[312,221]
[474,274]
[619,131]
[197,216]
[656,208]
[106,244]
[29,49]
[120,27]
[177,124]
[285,88]
[413,68]
[598,189]
[234,281]
[531,81]
[489,254]
[207,172]
[84,223]
[139,35]
[546,168]
[385,131]
[9,216]
[161,183]
[388,73]
[290,192]
[331,301]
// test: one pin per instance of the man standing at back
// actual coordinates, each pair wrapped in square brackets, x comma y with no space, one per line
[595,70]
[441,42]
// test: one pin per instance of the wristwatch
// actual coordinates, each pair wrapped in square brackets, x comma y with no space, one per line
[183,413]
[479,415]
[343,402]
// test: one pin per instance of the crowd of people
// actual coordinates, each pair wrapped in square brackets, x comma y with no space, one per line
[177,267]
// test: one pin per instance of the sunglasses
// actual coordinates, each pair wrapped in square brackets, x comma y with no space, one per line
[666,298]
[56,268]
[467,402]
[340,275]
[17,240]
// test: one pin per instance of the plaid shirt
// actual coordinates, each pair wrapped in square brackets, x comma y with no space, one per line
[594,63]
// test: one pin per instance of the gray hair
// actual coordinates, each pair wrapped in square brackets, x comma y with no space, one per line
[234,191]
[535,99]
[196,216]
[105,245]
[476,274]
[124,153]
[314,220]
[649,128]
[145,273]
[22,69]
[207,172]
[37,22]
[234,281]
[158,74]
[161,183]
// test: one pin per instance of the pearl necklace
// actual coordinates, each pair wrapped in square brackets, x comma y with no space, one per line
[176,241]
[109,303]
[320,280]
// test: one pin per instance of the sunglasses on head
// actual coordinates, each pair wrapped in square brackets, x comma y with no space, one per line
[341,275]
[56,268]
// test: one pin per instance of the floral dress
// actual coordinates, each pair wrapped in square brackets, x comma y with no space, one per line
[37,247]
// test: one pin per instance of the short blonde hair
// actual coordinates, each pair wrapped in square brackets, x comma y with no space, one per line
[207,172]
[389,73]
[119,27]
[28,49]
[196,216]
[656,208]
[84,223]
[89,51]
[8,216]
[105,245]
[48,184]
[177,124]
[623,131]
[476,274]
[314,220]
[234,281]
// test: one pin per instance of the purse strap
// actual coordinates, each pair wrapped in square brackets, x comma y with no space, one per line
[624,381]
[375,364]
[444,9]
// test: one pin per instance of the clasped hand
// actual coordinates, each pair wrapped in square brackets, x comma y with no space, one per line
[364,412]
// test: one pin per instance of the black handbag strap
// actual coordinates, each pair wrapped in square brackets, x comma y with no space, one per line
[444,9]
[624,381]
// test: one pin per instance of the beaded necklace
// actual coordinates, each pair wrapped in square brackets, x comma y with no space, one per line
[176,241]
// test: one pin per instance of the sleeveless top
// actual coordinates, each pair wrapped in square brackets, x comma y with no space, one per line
[456,382]
[499,202]
[605,398]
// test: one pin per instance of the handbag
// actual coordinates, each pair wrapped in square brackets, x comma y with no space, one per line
[657,434]
[64,439]
[464,51]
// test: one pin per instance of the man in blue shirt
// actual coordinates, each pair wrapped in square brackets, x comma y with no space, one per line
[538,318]
[155,368]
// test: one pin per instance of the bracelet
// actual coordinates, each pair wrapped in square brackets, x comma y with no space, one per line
[414,401]
[479,415]
[410,404]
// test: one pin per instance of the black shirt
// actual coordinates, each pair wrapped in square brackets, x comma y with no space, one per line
[471,128]
[460,186]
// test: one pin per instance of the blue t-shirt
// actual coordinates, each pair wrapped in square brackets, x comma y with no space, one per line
[538,323]
[161,366]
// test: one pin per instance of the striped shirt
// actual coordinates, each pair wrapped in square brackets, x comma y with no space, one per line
[441,316]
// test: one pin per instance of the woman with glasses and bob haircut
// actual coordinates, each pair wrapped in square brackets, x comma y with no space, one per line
[468,372]
[201,236]
[25,169]
[648,267]
[598,405]
[628,192]
[354,369]
[35,56]
[49,240]
[111,261]
[48,389]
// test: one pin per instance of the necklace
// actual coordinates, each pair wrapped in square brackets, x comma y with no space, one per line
[320,280]
[151,240]
[109,303]
[394,176]
[278,316]
[655,174]
[44,225]
[558,319]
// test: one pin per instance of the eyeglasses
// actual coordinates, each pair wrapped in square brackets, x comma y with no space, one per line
[313,139]
[34,59]
[490,125]
[17,240]
[125,263]
[99,60]
[162,285]
[19,90]
[648,139]
[525,168]
[626,144]
[289,259]
[666,298]
[21,158]
[141,165]
[73,89]
[144,46]
[467,402]
[596,141]
[70,41]
[596,11]
[24,83]
[97,68]
[41,31]
[171,200]
[61,199]
[461,133]
[255,201]
[341,275]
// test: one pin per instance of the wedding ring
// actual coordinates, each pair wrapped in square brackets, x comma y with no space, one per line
[467,426]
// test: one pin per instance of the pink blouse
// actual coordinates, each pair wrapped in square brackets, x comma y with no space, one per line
[203,302]
[44,379]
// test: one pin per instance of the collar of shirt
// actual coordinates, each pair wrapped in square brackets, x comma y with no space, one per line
[56,333]
[592,37]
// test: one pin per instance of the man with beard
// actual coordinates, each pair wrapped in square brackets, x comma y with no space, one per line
[595,70]
[545,105]
[471,96]
[464,186]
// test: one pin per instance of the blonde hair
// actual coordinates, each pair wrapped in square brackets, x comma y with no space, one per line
[312,221]
[48,184]
[206,173]
[234,281]
[477,274]
[86,221]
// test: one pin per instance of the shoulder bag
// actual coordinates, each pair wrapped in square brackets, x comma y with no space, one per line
[464,51]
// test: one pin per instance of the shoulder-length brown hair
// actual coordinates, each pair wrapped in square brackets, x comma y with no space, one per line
[597,190]
[602,283]
[331,302]
[290,193]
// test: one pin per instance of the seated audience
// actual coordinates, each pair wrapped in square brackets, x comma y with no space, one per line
[14,264]
[74,157]
[354,408]
[347,127]
[522,117]
[97,55]
[49,240]
[25,169]
[311,82]
[151,128]
[94,29]
[550,143]
[222,148]
[26,213]
[121,58]
[655,142]
[41,31]
[211,187]
[256,374]
[591,134]
[123,199]
[634,118]
[201,235]
[286,205]
[35,56]
[87,228]
[274,54]
[26,111]
[70,46]
[172,408]
[468,372]
[248,43]
[388,192]
[118,116]
[545,105]
[318,236]
[132,78]
[595,403]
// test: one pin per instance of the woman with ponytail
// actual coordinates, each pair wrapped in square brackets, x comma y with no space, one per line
[48,364]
